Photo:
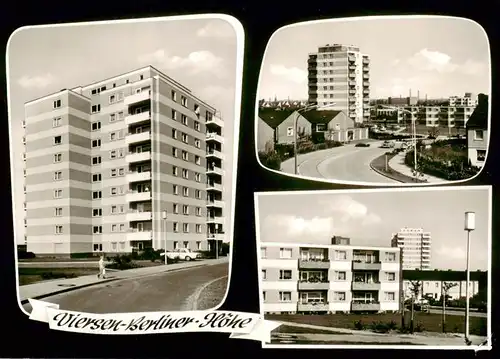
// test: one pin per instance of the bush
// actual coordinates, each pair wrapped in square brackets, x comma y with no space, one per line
[122,262]
[25,255]
[380,327]
[270,160]
[318,137]
[359,325]
[418,328]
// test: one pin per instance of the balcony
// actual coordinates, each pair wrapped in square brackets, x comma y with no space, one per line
[215,236]
[138,157]
[351,58]
[366,92]
[138,118]
[214,137]
[367,286]
[366,76]
[133,196]
[352,92]
[136,216]
[215,153]
[352,75]
[366,84]
[215,203]
[215,170]
[215,121]
[360,306]
[138,176]
[352,67]
[320,285]
[358,265]
[134,138]
[366,61]
[214,187]
[366,69]
[352,83]
[134,235]
[312,307]
[137,97]
[314,264]
[215,220]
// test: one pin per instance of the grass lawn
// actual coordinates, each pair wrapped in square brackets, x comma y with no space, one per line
[60,259]
[325,342]
[34,275]
[301,330]
[430,322]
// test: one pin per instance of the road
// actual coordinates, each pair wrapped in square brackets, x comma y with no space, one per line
[198,288]
[459,312]
[347,163]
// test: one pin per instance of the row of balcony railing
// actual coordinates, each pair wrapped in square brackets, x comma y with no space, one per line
[359,306]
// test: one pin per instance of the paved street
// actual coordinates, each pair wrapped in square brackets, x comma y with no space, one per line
[347,163]
[184,289]
[459,312]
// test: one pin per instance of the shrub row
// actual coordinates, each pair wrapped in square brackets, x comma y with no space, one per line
[385,327]
[451,171]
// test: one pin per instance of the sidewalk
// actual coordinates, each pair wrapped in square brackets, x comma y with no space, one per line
[397,164]
[48,288]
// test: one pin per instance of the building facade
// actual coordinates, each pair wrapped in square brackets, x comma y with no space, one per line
[304,278]
[339,79]
[477,133]
[334,126]
[415,245]
[105,161]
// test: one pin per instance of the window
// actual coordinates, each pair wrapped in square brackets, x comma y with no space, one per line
[175,171]
[183,101]
[197,109]
[175,152]
[197,160]
[56,104]
[56,122]
[57,176]
[174,115]
[57,157]
[173,94]
[176,208]
[95,108]
[59,229]
[185,191]
[57,140]
[197,143]
[122,227]
[263,296]
[121,171]
[96,194]
[184,120]
[390,276]
[340,275]
[58,212]
[97,229]
[112,136]
[112,99]
[174,133]
[340,255]
[198,245]
[198,194]
[198,211]
[478,135]
[96,160]
[185,156]
[285,274]
[339,296]
[185,138]
[198,228]
[263,253]
[113,172]
[185,210]
[390,296]
[96,143]
[175,189]
[289,131]
[196,125]
[185,173]
[320,127]
[96,177]
[97,212]
[176,226]
[57,193]
[285,296]
[197,177]
[481,155]
[390,257]
[112,117]
[112,154]
[96,126]
[185,227]
[264,274]
[209,116]
[285,253]
[114,228]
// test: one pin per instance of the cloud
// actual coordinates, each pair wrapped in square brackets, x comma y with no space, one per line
[349,210]
[428,60]
[293,74]
[195,63]
[219,28]
[40,81]
[455,253]
[395,62]
[293,226]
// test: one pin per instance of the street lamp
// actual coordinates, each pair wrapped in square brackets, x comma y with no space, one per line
[164,217]
[297,114]
[469,226]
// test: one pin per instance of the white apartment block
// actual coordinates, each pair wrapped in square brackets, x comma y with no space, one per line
[305,278]
[339,79]
[415,245]
[105,161]
[434,289]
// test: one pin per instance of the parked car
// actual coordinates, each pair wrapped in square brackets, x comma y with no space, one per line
[183,254]
[387,144]
[362,144]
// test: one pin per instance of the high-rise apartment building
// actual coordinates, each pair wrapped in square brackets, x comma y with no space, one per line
[126,163]
[415,245]
[301,278]
[339,79]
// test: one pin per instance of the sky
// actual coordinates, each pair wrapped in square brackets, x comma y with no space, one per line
[370,218]
[199,53]
[439,57]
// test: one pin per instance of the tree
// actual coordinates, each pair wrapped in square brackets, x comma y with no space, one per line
[445,289]
[415,287]
[434,132]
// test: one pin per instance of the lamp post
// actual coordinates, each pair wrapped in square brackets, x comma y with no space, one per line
[164,217]
[295,126]
[470,225]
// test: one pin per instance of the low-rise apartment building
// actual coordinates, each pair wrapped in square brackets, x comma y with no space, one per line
[304,278]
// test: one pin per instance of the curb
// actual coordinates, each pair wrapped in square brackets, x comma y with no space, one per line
[383,173]
[69,289]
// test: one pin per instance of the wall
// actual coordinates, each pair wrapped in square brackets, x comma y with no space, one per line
[265,136]
[282,130]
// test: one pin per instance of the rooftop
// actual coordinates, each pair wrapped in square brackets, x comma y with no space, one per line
[320,116]
[275,116]
[443,275]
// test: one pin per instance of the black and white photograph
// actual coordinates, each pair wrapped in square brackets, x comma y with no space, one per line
[137,122]
[376,268]
[379,100]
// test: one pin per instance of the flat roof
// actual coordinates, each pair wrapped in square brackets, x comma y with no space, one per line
[326,246]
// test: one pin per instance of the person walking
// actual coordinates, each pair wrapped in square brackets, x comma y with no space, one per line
[102,268]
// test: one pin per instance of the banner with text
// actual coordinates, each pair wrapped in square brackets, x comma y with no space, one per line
[240,325]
